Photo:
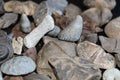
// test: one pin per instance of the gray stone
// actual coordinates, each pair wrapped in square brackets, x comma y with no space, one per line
[1,6]
[18,66]
[1,78]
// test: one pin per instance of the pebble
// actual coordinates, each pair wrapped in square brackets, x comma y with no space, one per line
[58,6]
[54,32]
[40,13]
[96,54]
[8,19]
[112,29]
[73,31]
[25,24]
[18,66]
[68,47]
[111,74]
[35,76]
[27,7]
[35,35]
[105,3]
[1,6]
[13,78]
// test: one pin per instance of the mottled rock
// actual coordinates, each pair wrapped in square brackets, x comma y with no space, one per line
[54,32]
[68,47]
[8,19]
[96,54]
[56,6]
[35,35]
[97,16]
[27,7]
[18,66]
[111,74]
[112,29]
[1,6]
[35,76]
[40,13]
[6,50]
[73,31]
[13,78]
[17,44]
[25,24]
[106,3]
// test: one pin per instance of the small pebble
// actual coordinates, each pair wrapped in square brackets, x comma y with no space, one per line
[73,31]
[18,66]
[111,74]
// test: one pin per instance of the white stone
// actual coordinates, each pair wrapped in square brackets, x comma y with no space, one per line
[73,31]
[111,74]
[34,36]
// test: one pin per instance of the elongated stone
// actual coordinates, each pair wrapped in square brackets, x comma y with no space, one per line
[34,36]
[73,31]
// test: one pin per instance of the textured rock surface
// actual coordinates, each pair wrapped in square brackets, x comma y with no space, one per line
[13,78]
[35,35]
[18,66]
[73,31]
[96,54]
[68,47]
[111,74]
[112,29]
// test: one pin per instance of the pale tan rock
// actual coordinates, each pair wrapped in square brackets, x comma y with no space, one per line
[17,44]
[112,29]
[13,78]
[96,54]
[27,7]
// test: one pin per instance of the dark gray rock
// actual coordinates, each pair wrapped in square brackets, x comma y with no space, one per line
[1,6]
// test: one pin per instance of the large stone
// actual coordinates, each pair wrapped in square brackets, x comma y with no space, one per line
[18,66]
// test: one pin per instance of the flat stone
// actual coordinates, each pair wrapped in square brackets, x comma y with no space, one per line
[18,66]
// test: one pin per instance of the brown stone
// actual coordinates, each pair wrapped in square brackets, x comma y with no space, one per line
[13,78]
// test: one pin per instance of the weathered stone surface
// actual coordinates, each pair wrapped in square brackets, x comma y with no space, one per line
[73,31]
[8,19]
[35,35]
[105,3]
[13,78]
[111,74]
[65,67]
[35,76]
[6,50]
[18,66]
[112,29]
[40,13]
[96,54]
[27,7]
[68,47]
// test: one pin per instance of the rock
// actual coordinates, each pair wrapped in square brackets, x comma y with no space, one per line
[17,44]
[13,78]
[18,66]
[112,29]
[111,74]
[1,6]
[68,47]
[35,76]
[96,54]
[32,53]
[117,57]
[57,7]
[2,22]
[1,77]
[65,67]
[73,31]
[97,16]
[106,3]
[8,19]
[40,13]
[71,11]
[25,24]
[54,32]
[6,50]
[34,36]
[27,7]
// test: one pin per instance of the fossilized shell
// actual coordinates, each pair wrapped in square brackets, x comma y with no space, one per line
[111,74]
[27,7]
[73,31]
[96,54]
[34,36]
